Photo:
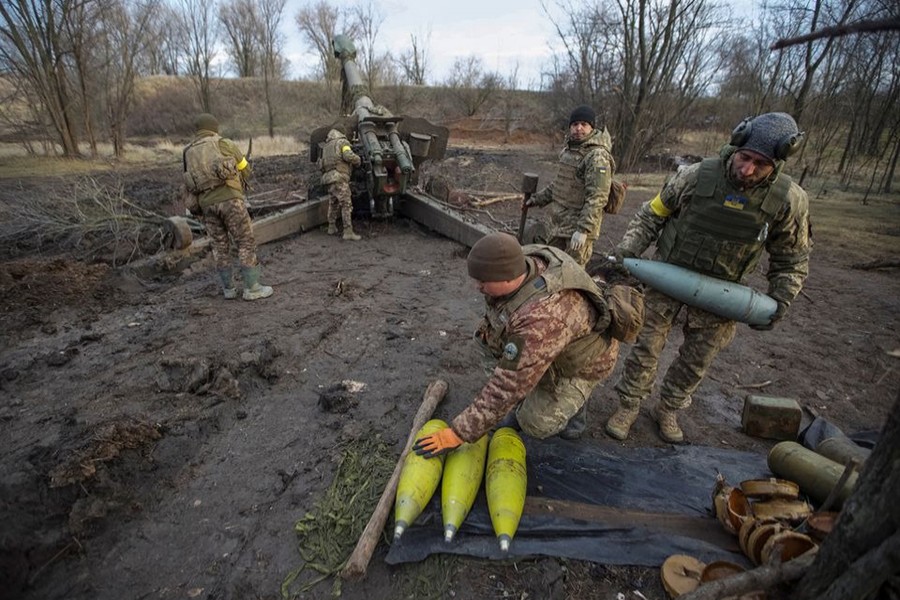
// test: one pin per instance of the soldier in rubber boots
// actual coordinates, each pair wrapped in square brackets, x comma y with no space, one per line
[215,171]
[580,190]
[715,217]
[338,160]
[548,325]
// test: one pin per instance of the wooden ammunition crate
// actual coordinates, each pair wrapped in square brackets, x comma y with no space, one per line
[771,418]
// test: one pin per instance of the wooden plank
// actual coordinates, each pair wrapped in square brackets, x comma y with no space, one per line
[442,219]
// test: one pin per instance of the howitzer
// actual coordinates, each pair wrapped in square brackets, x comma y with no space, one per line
[391,147]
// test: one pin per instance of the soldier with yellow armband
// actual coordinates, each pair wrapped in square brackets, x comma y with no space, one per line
[717,218]
[337,162]
[214,171]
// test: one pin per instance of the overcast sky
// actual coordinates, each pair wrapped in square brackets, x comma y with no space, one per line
[503,33]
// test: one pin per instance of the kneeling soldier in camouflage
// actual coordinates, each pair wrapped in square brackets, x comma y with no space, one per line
[550,325]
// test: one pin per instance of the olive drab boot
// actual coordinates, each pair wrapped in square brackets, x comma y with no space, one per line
[574,429]
[620,423]
[668,424]
[347,216]
[227,284]
[252,289]
[332,219]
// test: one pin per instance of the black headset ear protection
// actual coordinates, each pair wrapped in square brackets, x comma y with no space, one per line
[741,133]
[787,146]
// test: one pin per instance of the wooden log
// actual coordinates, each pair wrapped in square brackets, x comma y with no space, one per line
[355,568]
[761,578]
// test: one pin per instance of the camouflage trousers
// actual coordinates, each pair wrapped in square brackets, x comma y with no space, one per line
[547,408]
[230,219]
[705,335]
[340,204]
[549,233]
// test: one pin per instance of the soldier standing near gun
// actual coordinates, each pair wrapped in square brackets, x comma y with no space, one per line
[715,217]
[580,191]
[338,160]
[215,171]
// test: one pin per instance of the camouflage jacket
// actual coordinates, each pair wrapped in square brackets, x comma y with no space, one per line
[542,329]
[580,189]
[786,239]
[232,188]
[338,158]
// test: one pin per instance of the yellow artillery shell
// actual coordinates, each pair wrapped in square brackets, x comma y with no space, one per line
[419,479]
[505,483]
[463,471]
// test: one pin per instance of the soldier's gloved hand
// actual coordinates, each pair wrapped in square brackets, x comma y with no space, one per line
[437,443]
[620,254]
[532,201]
[776,316]
[578,240]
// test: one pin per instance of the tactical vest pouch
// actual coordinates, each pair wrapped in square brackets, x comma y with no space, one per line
[205,167]
[616,197]
[626,308]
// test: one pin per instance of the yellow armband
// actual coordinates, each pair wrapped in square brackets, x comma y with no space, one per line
[242,165]
[345,149]
[659,209]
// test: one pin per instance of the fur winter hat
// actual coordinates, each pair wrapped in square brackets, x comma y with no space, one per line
[496,257]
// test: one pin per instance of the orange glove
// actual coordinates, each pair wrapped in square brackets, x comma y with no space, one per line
[437,443]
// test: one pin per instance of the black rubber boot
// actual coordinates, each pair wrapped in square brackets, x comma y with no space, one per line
[574,429]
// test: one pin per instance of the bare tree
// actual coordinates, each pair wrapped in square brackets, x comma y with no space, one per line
[272,44]
[414,61]
[470,86]
[241,23]
[32,49]
[318,24]
[167,37]
[203,29]
[369,19]
[655,58]
[123,40]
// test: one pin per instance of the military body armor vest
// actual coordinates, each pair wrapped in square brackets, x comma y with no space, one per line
[562,273]
[332,160]
[205,167]
[722,231]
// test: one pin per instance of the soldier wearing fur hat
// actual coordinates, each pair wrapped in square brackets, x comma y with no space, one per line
[580,190]
[716,217]
[214,171]
[547,324]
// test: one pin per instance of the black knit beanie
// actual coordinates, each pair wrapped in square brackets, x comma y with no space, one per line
[496,257]
[585,114]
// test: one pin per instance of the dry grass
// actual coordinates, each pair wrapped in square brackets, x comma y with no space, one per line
[16,162]
[862,232]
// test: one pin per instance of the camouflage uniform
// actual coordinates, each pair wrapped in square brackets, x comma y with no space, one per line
[718,230]
[225,212]
[338,160]
[577,195]
[553,349]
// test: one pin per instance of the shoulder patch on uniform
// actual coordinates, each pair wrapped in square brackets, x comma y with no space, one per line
[512,353]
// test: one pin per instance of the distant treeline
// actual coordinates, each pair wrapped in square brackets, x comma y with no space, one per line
[78,72]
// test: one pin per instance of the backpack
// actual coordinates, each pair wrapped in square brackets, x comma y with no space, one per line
[205,167]
[616,197]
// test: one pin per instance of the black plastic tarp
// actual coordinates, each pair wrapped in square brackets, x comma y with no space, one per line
[602,502]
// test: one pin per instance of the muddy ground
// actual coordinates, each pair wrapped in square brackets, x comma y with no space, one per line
[161,442]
